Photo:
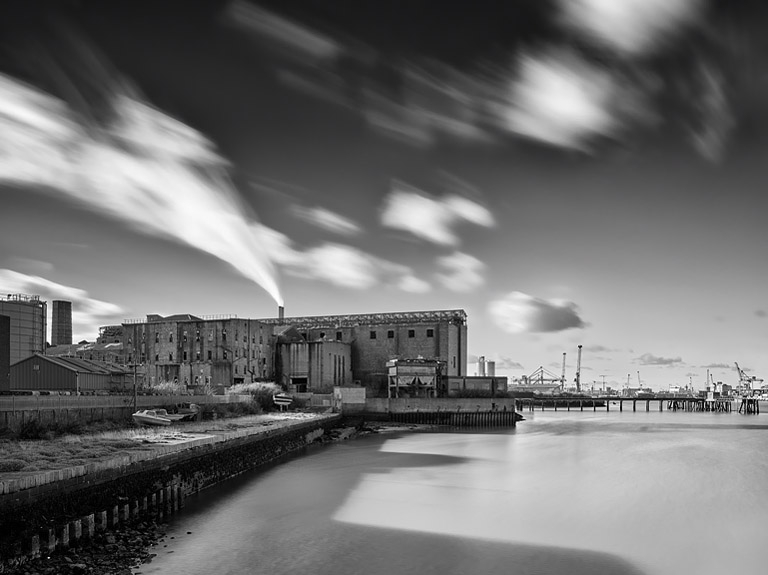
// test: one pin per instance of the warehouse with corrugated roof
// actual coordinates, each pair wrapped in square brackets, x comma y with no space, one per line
[72,374]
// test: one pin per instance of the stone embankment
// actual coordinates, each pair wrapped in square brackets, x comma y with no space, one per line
[50,520]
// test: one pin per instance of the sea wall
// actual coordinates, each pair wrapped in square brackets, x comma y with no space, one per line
[375,405]
[42,512]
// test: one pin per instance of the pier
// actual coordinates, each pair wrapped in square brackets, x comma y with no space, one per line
[715,405]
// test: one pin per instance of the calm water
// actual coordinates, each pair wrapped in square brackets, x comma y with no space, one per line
[564,493]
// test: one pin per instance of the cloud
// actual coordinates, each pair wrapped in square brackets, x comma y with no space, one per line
[88,314]
[139,167]
[338,264]
[31,266]
[717,366]
[631,27]
[761,313]
[431,218]
[327,220]
[295,39]
[560,99]
[461,272]
[598,348]
[650,359]
[518,312]
[505,362]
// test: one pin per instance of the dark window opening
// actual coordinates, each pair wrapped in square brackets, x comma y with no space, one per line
[373,335]
[210,354]
[391,334]
[157,357]
[430,333]
[338,336]
[411,333]
[170,357]
[185,355]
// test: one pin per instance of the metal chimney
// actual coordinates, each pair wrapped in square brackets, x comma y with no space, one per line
[280,313]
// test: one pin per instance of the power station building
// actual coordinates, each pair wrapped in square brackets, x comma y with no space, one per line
[377,338]
[61,323]
[28,324]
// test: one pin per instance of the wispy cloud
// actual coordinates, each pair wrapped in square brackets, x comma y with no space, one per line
[761,313]
[140,167]
[327,220]
[339,264]
[431,218]
[31,266]
[280,32]
[718,366]
[598,348]
[518,312]
[631,27]
[88,314]
[460,272]
[650,359]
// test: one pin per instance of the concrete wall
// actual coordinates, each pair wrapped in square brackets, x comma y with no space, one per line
[383,405]
[166,475]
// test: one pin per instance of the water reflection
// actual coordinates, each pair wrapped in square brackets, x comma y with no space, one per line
[584,493]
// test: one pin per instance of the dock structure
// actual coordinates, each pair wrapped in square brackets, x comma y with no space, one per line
[701,404]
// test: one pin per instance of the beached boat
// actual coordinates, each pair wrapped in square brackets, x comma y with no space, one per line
[150,417]
[172,416]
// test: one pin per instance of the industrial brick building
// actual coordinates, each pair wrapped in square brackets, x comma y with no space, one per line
[376,338]
[28,324]
[216,351]
[311,366]
[61,323]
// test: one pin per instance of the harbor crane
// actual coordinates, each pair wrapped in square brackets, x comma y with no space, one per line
[747,382]
[578,371]
[562,375]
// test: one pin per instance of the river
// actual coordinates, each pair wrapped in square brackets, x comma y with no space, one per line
[643,493]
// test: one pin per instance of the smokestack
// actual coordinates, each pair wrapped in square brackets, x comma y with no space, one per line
[61,328]
[280,313]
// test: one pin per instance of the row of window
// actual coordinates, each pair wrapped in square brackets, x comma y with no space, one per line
[197,337]
[411,333]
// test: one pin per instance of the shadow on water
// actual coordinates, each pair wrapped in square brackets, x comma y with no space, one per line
[280,520]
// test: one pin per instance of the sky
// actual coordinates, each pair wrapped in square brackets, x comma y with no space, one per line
[568,172]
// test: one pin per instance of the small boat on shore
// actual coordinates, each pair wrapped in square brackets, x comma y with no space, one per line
[150,417]
[172,416]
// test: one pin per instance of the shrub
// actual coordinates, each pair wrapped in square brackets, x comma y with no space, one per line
[8,465]
[33,429]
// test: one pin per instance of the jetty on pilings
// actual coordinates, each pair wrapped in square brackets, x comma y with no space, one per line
[748,405]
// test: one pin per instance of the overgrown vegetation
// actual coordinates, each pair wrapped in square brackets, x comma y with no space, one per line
[260,391]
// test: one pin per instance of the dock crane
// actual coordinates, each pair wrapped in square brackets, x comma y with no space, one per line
[562,375]
[578,371]
[746,382]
